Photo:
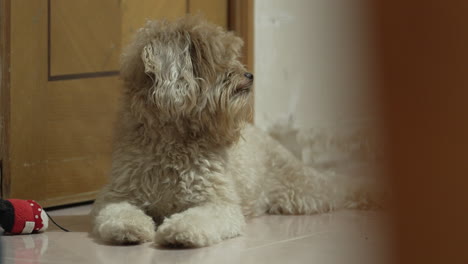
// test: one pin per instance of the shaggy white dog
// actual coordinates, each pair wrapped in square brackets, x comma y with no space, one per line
[186,168]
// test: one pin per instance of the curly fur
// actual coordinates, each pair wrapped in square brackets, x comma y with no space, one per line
[184,159]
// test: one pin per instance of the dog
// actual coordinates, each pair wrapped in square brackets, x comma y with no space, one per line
[187,167]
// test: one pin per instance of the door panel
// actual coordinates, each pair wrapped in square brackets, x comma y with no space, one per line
[79,124]
[84,36]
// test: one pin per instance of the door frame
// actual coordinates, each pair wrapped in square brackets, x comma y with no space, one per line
[4,96]
[241,20]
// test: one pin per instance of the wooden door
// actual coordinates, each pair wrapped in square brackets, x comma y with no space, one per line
[61,90]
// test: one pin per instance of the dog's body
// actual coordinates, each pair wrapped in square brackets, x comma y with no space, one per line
[184,160]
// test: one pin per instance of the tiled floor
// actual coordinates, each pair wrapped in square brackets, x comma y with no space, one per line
[340,237]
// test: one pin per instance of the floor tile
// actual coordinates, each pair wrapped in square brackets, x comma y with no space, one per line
[281,227]
[340,237]
[320,252]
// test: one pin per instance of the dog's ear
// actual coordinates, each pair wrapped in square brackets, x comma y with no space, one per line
[168,63]
[150,59]
[168,59]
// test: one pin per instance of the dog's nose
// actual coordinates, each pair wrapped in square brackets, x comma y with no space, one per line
[248,75]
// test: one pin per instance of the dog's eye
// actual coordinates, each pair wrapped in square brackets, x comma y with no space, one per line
[227,77]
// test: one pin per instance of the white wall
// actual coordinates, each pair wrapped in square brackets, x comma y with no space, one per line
[311,61]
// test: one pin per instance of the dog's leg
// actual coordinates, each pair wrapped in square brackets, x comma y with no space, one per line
[122,223]
[295,192]
[296,189]
[201,226]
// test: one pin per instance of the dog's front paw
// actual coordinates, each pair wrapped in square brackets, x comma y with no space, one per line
[119,225]
[121,232]
[178,232]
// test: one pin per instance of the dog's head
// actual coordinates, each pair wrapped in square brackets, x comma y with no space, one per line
[189,72]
